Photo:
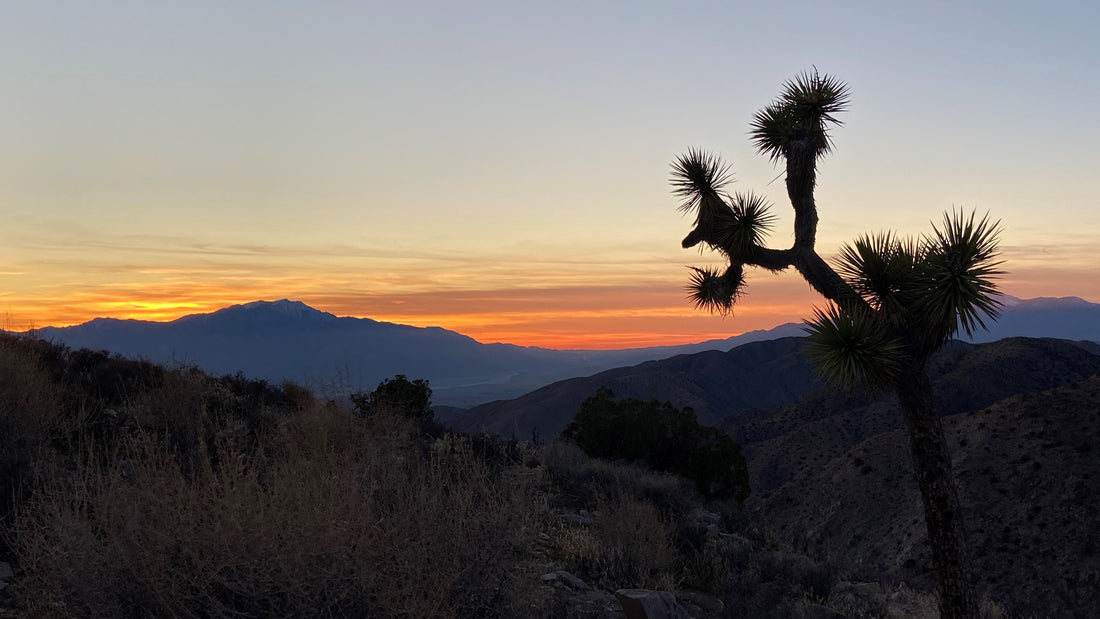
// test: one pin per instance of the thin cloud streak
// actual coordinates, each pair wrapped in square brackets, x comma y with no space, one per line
[69,238]
[623,294]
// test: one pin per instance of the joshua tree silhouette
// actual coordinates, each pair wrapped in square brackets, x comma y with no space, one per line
[892,301]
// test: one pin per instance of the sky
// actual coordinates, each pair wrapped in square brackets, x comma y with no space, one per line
[501,168]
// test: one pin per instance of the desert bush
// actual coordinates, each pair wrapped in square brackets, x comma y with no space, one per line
[638,543]
[30,407]
[105,379]
[500,451]
[580,548]
[628,545]
[582,480]
[91,397]
[663,437]
[398,395]
[191,412]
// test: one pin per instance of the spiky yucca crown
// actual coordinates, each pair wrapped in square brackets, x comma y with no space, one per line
[917,294]
[805,109]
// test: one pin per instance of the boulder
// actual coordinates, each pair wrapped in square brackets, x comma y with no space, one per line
[646,604]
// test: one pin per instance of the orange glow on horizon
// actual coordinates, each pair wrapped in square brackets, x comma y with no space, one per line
[562,317]
[590,330]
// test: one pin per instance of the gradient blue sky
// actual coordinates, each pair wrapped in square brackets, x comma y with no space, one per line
[501,168]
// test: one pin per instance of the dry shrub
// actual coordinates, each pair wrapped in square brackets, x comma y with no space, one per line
[30,410]
[29,401]
[192,411]
[629,545]
[589,480]
[581,548]
[329,516]
[638,544]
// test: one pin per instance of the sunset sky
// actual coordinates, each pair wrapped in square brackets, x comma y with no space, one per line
[501,168]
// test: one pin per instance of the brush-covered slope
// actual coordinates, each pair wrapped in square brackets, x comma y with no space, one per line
[1028,469]
[829,421]
[832,469]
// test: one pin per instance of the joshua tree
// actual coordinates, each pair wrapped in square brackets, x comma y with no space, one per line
[892,302]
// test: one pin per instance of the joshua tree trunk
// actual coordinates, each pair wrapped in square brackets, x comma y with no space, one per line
[943,518]
[927,444]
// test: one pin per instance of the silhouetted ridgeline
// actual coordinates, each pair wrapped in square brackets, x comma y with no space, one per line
[1068,318]
[288,340]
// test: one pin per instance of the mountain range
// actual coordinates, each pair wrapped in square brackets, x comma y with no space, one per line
[288,340]
[1067,318]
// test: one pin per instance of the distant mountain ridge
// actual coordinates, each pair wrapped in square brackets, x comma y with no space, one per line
[1066,318]
[285,339]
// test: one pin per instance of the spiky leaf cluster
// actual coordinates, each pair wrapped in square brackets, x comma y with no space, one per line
[743,226]
[961,263]
[853,345]
[735,228]
[698,175]
[714,290]
[882,269]
[805,110]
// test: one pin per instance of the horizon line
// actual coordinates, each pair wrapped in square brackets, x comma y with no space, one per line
[567,342]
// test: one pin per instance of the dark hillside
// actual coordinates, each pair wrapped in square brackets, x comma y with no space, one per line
[829,421]
[715,384]
[1029,479]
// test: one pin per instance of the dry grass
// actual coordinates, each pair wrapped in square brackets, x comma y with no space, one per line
[330,516]
[628,546]
[586,481]
[29,415]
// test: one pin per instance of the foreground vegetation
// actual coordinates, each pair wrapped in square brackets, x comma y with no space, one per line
[135,490]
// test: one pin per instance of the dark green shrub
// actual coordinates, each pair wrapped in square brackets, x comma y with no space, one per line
[665,438]
[396,395]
